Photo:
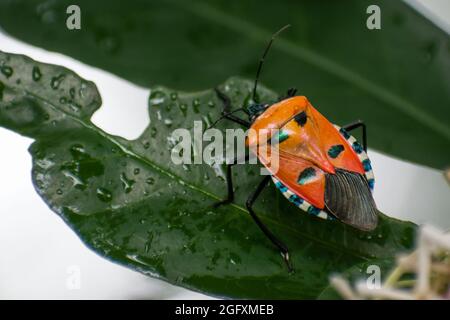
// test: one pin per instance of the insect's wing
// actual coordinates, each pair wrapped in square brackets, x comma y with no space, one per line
[347,192]
[299,175]
[348,197]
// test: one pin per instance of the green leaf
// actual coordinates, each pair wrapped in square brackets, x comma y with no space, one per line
[395,79]
[130,203]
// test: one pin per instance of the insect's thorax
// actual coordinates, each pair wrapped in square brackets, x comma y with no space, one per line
[301,132]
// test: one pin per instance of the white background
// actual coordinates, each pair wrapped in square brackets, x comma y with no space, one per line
[39,253]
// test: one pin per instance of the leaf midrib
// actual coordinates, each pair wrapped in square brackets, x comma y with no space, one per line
[181,181]
[253,32]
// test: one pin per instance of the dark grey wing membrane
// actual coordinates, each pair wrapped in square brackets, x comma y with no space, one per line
[348,197]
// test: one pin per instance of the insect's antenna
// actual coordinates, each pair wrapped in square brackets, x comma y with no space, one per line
[261,61]
[224,116]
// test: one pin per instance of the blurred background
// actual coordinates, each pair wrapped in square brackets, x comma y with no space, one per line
[43,259]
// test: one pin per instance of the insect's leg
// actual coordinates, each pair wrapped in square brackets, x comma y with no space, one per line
[229,179]
[358,124]
[227,109]
[225,100]
[278,243]
[289,94]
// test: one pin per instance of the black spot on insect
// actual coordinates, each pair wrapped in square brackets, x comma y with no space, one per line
[335,150]
[301,118]
[306,175]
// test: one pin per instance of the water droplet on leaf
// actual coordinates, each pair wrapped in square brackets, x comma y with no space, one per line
[196,105]
[74,106]
[183,108]
[36,73]
[127,184]
[157,97]
[104,194]
[153,132]
[82,167]
[56,81]
[6,70]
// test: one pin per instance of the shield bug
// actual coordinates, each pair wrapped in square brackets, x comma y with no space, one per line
[322,169]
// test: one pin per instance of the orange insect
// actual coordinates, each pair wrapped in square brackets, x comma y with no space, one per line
[321,168]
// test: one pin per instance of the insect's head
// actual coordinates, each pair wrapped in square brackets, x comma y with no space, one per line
[254,110]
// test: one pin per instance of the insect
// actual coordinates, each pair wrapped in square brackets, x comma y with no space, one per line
[322,169]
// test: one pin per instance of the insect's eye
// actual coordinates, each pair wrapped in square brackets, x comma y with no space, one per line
[257,109]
